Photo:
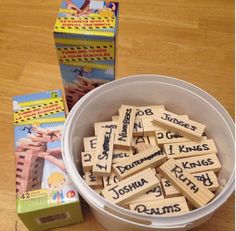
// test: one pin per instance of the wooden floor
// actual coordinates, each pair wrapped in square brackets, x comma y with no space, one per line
[191,40]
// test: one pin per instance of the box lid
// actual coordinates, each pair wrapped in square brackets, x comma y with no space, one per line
[87,17]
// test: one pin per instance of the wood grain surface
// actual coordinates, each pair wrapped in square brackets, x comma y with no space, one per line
[190,40]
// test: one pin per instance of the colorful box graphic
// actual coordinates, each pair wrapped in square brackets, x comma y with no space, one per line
[46,197]
[85,37]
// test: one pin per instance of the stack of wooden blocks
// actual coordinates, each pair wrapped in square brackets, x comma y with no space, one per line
[151,161]
[29,169]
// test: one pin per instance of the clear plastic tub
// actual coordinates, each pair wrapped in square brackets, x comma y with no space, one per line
[177,96]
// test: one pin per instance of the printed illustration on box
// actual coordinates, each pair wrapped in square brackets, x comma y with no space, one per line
[56,181]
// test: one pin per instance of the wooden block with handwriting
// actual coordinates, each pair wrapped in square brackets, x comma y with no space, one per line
[90,143]
[194,191]
[87,160]
[208,179]
[140,140]
[148,111]
[104,152]
[107,124]
[138,129]
[165,207]
[182,126]
[155,193]
[208,162]
[145,127]
[125,126]
[168,137]
[169,189]
[188,149]
[144,140]
[151,157]
[110,180]
[92,180]
[121,154]
[131,187]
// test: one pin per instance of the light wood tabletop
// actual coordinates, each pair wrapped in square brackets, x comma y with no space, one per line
[190,40]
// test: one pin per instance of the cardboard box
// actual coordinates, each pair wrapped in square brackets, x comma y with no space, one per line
[46,197]
[85,37]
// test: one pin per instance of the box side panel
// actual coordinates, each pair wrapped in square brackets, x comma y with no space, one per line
[52,217]
[84,65]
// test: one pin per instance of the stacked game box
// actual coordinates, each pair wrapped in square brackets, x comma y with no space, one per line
[46,197]
[85,37]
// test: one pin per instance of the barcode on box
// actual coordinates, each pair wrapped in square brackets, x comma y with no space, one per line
[53,218]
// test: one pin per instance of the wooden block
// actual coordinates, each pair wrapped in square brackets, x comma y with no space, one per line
[169,189]
[144,140]
[202,163]
[110,180]
[188,149]
[138,129]
[182,126]
[142,198]
[98,191]
[152,157]
[121,154]
[154,194]
[115,118]
[158,175]
[90,143]
[148,111]
[194,191]
[104,152]
[165,207]
[143,147]
[157,192]
[87,160]
[208,179]
[204,136]
[154,171]
[145,127]
[107,124]
[125,126]
[190,206]
[92,180]
[131,187]
[167,137]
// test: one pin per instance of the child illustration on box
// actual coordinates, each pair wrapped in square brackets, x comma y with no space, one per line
[109,10]
[56,181]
